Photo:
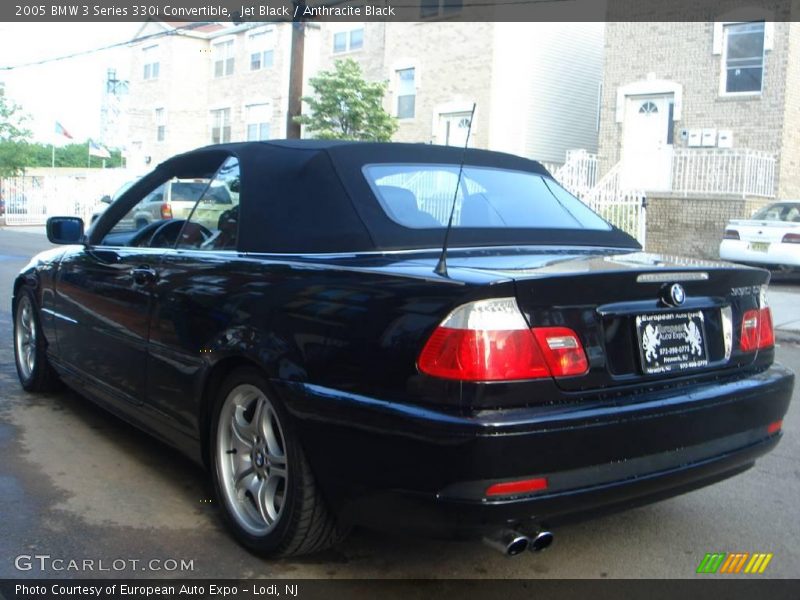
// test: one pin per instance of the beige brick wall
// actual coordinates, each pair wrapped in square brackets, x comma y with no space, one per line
[370,56]
[693,226]
[188,90]
[252,87]
[454,65]
[682,52]
[452,61]
[178,90]
[789,186]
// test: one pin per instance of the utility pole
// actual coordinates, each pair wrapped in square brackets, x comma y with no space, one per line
[296,70]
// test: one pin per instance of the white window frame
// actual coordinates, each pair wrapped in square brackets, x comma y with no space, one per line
[229,42]
[217,124]
[160,118]
[723,79]
[347,29]
[248,122]
[253,47]
[149,53]
[396,85]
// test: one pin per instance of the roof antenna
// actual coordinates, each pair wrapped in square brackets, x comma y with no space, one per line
[441,266]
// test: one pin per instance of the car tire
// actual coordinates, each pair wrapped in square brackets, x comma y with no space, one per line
[262,480]
[34,370]
[141,224]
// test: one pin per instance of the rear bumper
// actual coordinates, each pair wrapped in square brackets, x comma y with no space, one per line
[406,469]
[778,254]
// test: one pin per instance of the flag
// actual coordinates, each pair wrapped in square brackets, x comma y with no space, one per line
[61,131]
[98,150]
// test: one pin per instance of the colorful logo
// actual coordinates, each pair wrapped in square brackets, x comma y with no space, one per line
[734,563]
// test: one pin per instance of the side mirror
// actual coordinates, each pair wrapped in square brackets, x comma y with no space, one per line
[65,230]
[106,199]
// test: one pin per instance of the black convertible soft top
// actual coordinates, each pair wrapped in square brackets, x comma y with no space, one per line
[311,196]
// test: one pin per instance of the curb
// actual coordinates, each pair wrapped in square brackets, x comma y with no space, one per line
[787,337]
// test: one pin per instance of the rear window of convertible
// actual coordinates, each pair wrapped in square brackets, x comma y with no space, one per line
[420,196]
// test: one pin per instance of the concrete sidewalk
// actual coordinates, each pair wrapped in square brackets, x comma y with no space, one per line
[40,229]
[785,303]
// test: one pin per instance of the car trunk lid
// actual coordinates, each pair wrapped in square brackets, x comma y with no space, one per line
[763,232]
[624,309]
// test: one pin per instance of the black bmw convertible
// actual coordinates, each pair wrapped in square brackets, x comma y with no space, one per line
[303,332]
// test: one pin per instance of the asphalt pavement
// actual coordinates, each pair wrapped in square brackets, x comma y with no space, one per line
[79,484]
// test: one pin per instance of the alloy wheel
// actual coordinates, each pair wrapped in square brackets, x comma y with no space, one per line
[251,459]
[25,337]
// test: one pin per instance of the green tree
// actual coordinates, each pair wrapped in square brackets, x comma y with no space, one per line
[346,107]
[71,155]
[13,135]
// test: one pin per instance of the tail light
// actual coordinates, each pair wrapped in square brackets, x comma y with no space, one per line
[166,211]
[791,238]
[757,332]
[562,351]
[751,331]
[766,337]
[731,234]
[489,340]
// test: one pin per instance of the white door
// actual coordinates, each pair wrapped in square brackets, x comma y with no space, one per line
[453,128]
[646,143]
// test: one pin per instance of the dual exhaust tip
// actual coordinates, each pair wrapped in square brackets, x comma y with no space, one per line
[511,542]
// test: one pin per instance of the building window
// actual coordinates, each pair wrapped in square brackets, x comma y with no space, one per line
[150,60]
[223,59]
[221,126]
[161,124]
[406,93]
[349,40]
[257,117]
[261,49]
[648,108]
[430,9]
[743,58]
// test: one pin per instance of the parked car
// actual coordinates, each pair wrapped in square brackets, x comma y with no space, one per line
[771,238]
[175,199]
[98,208]
[332,363]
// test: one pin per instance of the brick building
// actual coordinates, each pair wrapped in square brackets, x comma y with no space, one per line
[513,72]
[222,82]
[194,86]
[704,117]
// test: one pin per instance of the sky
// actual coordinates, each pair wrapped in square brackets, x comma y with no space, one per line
[69,91]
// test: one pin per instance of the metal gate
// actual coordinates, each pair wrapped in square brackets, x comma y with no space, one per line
[30,199]
[623,208]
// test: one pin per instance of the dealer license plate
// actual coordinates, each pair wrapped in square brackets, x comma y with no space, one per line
[672,342]
[759,246]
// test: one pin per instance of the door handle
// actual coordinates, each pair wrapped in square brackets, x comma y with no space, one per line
[143,275]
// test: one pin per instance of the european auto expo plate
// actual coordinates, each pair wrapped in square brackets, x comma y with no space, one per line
[673,341]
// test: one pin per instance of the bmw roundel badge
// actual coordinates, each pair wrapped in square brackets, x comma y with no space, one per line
[675,295]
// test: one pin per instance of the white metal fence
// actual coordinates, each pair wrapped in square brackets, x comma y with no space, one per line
[623,208]
[739,172]
[578,174]
[30,199]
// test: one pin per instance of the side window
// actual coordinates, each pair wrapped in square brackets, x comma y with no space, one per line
[144,212]
[214,221]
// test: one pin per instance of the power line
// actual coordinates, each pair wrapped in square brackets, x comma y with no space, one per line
[137,40]
[195,25]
